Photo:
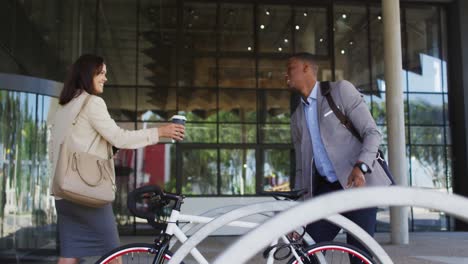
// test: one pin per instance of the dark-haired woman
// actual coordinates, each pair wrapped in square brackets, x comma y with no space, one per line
[86,231]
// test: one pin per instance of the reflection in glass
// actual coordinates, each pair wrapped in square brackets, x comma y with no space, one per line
[428,167]
[274,28]
[276,170]
[237,73]
[157,43]
[237,171]
[200,133]
[271,73]
[199,172]
[236,32]
[197,104]
[351,47]
[277,106]
[118,39]
[196,71]
[276,133]
[427,135]
[376,46]
[312,35]
[120,102]
[156,103]
[426,109]
[237,105]
[27,212]
[428,220]
[199,26]
[237,133]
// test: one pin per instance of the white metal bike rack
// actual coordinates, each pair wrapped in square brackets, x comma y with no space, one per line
[338,202]
[274,206]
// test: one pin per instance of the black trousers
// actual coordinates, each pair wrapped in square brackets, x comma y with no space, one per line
[323,230]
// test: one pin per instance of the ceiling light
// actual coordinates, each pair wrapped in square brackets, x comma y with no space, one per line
[343,16]
[305,13]
[351,43]
[267,12]
[280,49]
[262,26]
[286,40]
[379,17]
[321,39]
[297,27]
[342,51]
[249,48]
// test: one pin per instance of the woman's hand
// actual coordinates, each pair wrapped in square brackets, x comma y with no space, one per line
[174,131]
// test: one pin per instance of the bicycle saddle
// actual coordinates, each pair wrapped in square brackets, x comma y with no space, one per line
[290,195]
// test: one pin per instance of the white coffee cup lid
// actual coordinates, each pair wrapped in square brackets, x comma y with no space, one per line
[179,117]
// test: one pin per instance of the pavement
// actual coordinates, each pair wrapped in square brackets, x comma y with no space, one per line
[424,247]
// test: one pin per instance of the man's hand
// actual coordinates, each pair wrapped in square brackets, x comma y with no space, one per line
[356,178]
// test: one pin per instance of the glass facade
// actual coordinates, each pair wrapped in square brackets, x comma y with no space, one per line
[222,65]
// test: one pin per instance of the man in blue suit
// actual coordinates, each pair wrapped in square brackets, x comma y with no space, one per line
[328,156]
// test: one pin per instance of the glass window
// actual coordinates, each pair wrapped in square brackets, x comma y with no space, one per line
[157,43]
[237,105]
[379,109]
[118,32]
[276,169]
[428,167]
[238,168]
[120,102]
[425,109]
[237,133]
[427,135]
[274,28]
[311,30]
[351,46]
[275,133]
[200,133]
[156,103]
[275,106]
[271,73]
[236,28]
[237,73]
[424,65]
[199,171]
[197,71]
[199,26]
[198,104]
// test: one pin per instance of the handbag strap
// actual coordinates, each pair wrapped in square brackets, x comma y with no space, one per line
[325,89]
[109,147]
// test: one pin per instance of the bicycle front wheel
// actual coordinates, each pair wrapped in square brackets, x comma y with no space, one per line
[137,253]
[335,253]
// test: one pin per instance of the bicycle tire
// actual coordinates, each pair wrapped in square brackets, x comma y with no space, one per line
[135,253]
[336,253]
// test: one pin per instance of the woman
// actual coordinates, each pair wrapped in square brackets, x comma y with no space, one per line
[86,231]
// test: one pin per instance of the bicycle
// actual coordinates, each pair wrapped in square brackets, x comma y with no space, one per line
[162,211]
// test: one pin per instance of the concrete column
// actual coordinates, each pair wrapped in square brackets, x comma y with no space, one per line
[395,113]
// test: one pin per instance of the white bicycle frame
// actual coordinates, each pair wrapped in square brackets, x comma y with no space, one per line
[173,229]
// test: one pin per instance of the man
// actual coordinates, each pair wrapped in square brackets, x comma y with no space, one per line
[328,157]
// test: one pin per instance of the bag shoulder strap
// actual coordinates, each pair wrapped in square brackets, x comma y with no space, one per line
[325,89]
[81,109]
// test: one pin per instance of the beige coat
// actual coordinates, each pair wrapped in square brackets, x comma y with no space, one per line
[94,129]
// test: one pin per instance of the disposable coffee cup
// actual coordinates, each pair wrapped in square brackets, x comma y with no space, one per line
[178,119]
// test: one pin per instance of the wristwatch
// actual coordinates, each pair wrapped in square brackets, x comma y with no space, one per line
[363,167]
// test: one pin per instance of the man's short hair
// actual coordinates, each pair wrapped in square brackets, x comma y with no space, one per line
[308,58]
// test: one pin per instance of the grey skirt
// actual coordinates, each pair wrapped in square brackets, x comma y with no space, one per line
[85,231]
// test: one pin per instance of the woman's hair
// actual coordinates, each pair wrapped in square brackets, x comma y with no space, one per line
[80,77]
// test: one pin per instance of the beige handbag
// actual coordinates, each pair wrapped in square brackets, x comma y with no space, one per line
[84,178]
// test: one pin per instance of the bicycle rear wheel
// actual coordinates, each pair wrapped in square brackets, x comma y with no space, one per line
[136,253]
[335,253]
